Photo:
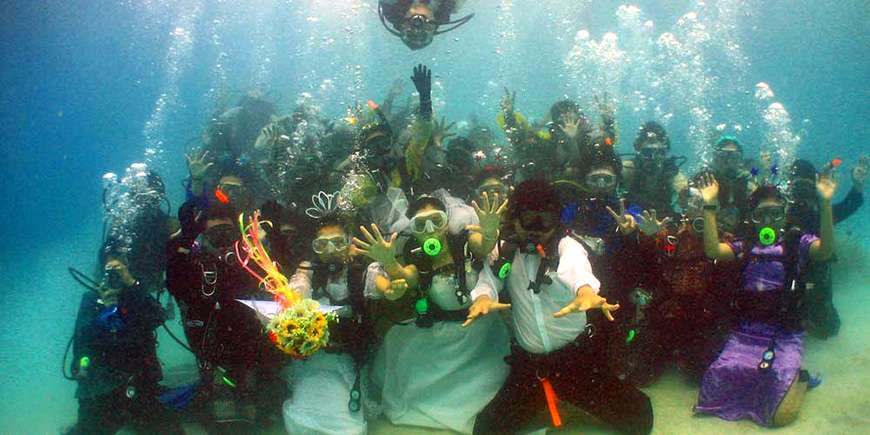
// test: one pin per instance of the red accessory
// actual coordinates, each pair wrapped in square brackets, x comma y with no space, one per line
[221,196]
[540,250]
[836,163]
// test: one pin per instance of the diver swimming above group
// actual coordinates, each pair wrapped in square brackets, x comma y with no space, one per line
[388,265]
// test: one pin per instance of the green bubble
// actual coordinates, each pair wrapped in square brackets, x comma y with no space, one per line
[432,247]
[504,271]
[767,236]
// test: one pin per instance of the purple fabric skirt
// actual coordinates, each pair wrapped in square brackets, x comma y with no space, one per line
[733,388]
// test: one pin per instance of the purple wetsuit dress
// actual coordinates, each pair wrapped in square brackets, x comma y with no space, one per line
[734,387]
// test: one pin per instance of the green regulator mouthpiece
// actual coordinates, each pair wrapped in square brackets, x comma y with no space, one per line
[767,236]
[504,271]
[422,306]
[432,247]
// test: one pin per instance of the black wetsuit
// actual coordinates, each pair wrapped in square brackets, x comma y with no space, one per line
[119,385]
[225,335]
[819,314]
[615,259]
[654,192]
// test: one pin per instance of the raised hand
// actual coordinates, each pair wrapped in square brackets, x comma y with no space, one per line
[422,79]
[198,166]
[709,188]
[482,306]
[441,131]
[826,186]
[489,215]
[623,220]
[507,101]
[649,223]
[375,246]
[572,125]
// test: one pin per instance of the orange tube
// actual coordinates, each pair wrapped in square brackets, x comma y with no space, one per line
[552,401]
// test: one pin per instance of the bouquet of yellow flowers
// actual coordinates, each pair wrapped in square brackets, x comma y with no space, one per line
[301,328]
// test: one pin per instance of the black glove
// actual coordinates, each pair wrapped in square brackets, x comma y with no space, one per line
[192,220]
[422,79]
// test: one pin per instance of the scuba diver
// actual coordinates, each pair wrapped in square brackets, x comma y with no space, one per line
[652,177]
[137,227]
[423,296]
[288,235]
[230,136]
[758,374]
[417,22]
[820,317]
[303,152]
[326,387]
[115,358]
[555,150]
[556,352]
[600,220]
[238,366]
[684,321]
[736,182]
[394,164]
[230,187]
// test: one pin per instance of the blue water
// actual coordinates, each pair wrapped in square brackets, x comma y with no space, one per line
[80,83]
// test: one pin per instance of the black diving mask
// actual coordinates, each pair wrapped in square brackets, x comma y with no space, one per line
[418,32]
[221,236]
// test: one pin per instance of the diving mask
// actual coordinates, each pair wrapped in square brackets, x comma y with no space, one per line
[601,180]
[221,236]
[697,224]
[418,31]
[652,153]
[329,244]
[729,157]
[228,192]
[768,214]
[429,222]
[539,222]
[112,278]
